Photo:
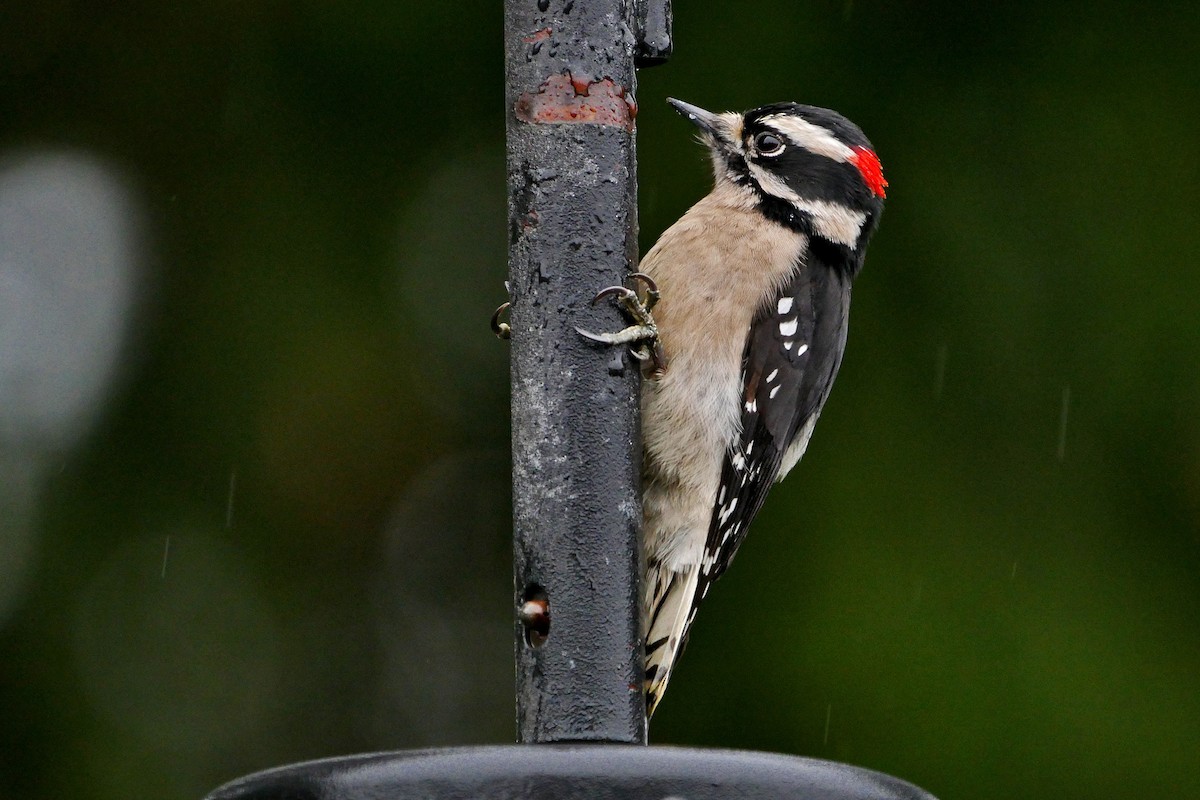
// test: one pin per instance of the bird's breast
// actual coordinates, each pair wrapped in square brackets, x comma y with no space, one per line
[715,267]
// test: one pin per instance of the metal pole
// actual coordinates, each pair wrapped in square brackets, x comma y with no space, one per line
[572,231]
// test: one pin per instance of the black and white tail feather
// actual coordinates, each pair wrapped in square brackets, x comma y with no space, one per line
[792,348]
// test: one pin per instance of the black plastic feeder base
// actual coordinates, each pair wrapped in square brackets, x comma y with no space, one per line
[569,772]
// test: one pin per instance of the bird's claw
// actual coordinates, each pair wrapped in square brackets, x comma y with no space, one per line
[652,293]
[643,333]
[630,300]
[502,329]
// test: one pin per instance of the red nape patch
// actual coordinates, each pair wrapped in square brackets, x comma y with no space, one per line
[872,171]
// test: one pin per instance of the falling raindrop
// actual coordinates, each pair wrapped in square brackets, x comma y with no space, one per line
[1062,423]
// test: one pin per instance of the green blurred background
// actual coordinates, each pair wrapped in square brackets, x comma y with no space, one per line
[254,431]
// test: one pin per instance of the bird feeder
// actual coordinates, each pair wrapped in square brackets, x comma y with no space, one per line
[581,714]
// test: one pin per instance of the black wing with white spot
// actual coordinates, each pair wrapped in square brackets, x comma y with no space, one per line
[792,355]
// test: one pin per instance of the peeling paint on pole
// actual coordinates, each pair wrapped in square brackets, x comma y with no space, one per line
[569,99]
[576,457]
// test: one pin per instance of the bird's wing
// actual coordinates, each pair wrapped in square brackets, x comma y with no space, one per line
[793,351]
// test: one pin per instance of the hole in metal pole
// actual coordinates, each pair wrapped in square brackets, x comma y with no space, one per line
[534,614]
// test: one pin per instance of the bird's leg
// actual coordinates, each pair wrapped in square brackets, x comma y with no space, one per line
[643,333]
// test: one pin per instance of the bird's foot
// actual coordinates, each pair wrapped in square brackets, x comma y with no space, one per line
[643,333]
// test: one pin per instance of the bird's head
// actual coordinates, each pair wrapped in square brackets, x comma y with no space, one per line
[807,168]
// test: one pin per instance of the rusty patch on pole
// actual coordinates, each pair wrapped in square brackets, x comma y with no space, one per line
[570,99]
[537,36]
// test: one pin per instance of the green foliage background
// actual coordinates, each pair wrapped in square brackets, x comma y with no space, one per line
[955,586]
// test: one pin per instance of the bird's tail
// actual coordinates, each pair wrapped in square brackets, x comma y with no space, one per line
[670,607]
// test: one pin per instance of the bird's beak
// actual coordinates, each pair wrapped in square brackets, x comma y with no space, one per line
[706,121]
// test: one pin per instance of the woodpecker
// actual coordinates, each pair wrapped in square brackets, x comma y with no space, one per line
[744,328]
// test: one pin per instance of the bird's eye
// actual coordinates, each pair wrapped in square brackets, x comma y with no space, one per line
[768,144]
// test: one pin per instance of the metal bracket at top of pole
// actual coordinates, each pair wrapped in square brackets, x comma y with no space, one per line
[572,183]
[654,36]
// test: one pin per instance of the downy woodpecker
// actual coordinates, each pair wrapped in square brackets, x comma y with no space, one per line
[747,338]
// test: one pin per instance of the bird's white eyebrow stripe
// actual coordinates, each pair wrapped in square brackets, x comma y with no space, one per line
[811,137]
